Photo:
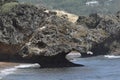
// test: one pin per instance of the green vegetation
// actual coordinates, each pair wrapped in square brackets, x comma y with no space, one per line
[8,6]
[6,1]
[72,6]
[79,7]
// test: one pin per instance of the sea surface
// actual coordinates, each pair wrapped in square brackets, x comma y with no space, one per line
[96,68]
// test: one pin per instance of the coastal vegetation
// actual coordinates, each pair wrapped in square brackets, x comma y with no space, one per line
[80,7]
[8,6]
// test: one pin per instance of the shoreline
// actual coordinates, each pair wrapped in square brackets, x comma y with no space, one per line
[7,68]
[4,65]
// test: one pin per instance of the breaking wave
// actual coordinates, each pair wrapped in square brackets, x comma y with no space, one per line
[9,71]
[27,66]
[111,56]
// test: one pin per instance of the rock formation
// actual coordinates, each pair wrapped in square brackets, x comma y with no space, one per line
[30,34]
[105,32]
[52,40]
[17,26]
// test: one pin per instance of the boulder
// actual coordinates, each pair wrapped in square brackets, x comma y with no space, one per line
[52,42]
[30,34]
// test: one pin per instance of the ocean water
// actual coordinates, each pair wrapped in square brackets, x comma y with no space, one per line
[96,68]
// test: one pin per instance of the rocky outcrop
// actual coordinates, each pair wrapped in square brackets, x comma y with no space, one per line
[30,34]
[52,41]
[17,26]
[103,32]
[91,21]
[69,16]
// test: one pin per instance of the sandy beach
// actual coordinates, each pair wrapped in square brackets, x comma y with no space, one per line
[4,65]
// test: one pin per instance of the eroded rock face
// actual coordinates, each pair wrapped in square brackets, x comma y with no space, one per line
[90,21]
[17,27]
[29,34]
[52,42]
[103,32]
[52,37]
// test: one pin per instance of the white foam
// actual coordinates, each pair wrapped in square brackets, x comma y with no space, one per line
[27,66]
[111,56]
[9,71]
[6,72]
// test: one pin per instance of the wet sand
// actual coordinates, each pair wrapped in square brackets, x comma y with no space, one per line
[4,65]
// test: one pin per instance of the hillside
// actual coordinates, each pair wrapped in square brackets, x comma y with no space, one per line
[81,7]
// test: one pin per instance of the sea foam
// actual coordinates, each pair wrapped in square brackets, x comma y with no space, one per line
[27,66]
[9,71]
[111,56]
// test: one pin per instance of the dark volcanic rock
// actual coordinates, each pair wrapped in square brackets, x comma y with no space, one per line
[111,25]
[29,34]
[17,26]
[91,21]
[103,31]
[87,39]
[52,37]
[52,41]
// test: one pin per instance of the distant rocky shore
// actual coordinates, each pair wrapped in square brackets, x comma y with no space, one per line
[36,35]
